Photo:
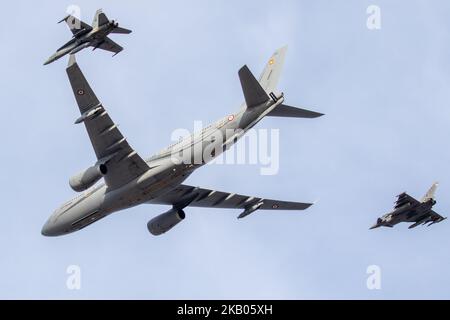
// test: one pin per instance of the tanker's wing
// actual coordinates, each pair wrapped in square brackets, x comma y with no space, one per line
[110,146]
[184,196]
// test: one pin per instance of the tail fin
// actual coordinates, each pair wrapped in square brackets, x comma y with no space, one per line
[254,94]
[430,194]
[99,19]
[272,72]
[292,112]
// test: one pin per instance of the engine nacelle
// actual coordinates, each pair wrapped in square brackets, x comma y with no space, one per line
[87,178]
[166,221]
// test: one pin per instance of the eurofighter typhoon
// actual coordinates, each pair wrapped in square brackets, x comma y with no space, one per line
[85,36]
[408,209]
[129,180]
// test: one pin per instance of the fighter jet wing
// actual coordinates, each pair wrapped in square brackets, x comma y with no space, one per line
[184,196]
[404,199]
[123,163]
[110,45]
[75,25]
[436,216]
[430,217]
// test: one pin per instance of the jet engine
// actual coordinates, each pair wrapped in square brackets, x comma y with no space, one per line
[166,221]
[87,178]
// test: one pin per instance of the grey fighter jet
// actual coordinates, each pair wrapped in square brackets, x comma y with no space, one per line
[85,36]
[408,209]
[129,180]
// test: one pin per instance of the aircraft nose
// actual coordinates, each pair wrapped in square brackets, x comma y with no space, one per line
[377,225]
[47,229]
[50,229]
[48,61]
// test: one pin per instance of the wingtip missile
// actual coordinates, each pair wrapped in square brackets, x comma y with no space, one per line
[64,19]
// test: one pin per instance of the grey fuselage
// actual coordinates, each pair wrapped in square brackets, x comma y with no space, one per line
[164,174]
[81,41]
[406,213]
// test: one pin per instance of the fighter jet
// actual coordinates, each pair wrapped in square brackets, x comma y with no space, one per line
[129,180]
[408,209]
[85,36]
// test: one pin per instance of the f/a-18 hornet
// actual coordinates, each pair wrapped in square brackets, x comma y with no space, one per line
[85,36]
[129,180]
[408,209]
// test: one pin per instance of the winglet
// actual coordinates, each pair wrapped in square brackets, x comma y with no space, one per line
[72,60]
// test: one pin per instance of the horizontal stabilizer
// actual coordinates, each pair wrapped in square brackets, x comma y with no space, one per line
[254,94]
[121,30]
[292,112]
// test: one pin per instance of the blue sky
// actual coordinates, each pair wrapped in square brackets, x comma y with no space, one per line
[385,95]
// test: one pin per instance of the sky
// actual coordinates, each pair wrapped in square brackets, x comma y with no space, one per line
[385,96]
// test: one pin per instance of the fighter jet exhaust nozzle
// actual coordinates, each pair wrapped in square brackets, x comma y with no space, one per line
[166,221]
[87,178]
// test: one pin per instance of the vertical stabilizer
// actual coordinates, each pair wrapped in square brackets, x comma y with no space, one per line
[272,72]
[99,19]
[430,194]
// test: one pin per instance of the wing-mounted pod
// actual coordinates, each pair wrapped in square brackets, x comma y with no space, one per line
[87,178]
[251,209]
[166,221]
